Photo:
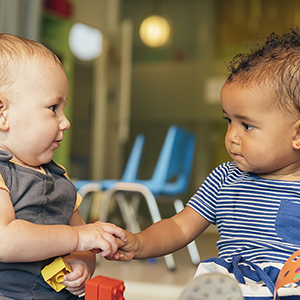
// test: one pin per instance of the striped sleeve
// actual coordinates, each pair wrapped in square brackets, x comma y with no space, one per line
[205,199]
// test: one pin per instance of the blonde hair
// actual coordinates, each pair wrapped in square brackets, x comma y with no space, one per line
[14,53]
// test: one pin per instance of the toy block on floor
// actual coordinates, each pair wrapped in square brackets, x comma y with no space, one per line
[54,273]
[104,288]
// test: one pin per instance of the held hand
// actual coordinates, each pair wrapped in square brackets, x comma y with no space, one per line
[126,249]
[100,235]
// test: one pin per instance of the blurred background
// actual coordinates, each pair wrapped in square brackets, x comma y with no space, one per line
[130,84]
[139,66]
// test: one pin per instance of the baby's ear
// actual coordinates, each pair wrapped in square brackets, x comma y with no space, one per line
[296,140]
[3,114]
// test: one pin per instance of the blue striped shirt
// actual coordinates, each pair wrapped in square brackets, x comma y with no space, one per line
[256,218]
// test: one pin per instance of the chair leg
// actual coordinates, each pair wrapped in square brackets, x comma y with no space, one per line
[170,262]
[151,202]
[86,203]
[192,247]
[129,213]
[169,259]
[107,195]
[84,208]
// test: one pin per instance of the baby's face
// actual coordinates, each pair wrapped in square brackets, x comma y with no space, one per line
[36,116]
[260,135]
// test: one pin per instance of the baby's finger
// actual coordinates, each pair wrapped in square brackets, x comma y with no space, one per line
[114,230]
[105,248]
[74,285]
[110,246]
[72,276]
[107,245]
[118,256]
[76,290]
[96,251]
[120,242]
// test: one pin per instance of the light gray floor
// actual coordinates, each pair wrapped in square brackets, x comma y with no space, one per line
[152,279]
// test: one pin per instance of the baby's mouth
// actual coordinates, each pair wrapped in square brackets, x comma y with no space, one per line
[236,156]
[57,143]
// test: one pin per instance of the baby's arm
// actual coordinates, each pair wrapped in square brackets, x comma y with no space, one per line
[163,237]
[22,241]
[82,263]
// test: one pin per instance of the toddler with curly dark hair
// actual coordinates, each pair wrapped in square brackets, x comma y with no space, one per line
[254,199]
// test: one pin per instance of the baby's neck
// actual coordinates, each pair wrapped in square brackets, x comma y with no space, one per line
[286,177]
[21,163]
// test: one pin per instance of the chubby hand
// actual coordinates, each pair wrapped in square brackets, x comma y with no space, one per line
[100,237]
[127,249]
[75,281]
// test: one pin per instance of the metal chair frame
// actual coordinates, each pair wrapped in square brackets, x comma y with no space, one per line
[175,160]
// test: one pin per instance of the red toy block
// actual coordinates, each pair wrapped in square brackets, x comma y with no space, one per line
[104,288]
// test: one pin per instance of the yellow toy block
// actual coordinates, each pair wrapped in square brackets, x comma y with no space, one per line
[54,273]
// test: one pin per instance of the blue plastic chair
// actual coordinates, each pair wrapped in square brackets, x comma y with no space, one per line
[171,178]
[130,174]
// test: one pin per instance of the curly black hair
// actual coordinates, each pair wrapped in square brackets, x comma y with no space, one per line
[275,62]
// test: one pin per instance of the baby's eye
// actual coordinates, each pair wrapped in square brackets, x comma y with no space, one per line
[247,127]
[53,108]
[227,119]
